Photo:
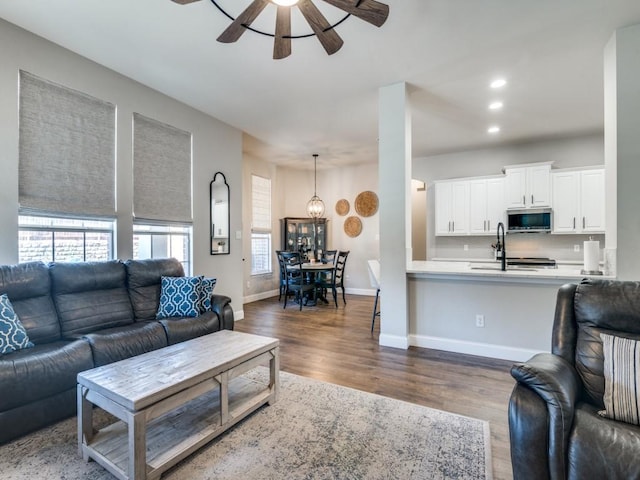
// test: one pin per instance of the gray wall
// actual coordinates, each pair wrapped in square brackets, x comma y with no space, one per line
[216,146]
[584,150]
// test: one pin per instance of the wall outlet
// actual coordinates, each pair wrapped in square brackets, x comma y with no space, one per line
[480,321]
[576,248]
[465,248]
[248,284]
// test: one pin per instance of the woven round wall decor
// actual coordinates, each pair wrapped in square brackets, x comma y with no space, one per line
[366,203]
[342,207]
[352,226]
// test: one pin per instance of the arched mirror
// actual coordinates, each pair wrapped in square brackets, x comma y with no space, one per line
[219,191]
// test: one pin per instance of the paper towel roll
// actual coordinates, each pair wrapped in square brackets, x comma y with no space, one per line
[591,255]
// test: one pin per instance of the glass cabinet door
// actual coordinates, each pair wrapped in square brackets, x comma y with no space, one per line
[304,235]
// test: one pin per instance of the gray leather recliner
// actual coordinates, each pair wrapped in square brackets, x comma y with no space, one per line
[555,430]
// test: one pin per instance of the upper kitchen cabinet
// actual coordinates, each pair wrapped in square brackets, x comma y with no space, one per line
[452,207]
[578,201]
[528,186]
[486,205]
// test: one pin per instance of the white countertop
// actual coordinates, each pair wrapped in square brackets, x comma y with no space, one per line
[491,271]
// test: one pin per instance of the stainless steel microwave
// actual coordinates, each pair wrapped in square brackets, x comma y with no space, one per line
[530,220]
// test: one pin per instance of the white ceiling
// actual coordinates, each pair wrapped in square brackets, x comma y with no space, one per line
[448,51]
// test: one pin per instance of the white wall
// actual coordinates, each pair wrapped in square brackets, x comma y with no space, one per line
[216,147]
[622,100]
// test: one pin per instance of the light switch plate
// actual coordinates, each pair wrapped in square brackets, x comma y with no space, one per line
[238,234]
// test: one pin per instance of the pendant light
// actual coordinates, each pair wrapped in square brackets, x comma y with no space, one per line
[315,206]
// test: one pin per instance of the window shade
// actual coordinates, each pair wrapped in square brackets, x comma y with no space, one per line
[66,151]
[260,204]
[161,171]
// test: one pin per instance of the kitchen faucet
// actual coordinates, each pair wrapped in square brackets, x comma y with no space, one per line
[502,247]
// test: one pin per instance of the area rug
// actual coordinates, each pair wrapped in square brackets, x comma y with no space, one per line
[315,430]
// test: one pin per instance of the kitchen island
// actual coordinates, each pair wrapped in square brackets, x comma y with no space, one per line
[513,309]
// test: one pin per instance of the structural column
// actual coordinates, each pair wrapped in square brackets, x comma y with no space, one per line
[394,172]
[622,152]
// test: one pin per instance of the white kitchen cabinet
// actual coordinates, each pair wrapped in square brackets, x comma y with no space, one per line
[578,201]
[452,208]
[486,205]
[528,187]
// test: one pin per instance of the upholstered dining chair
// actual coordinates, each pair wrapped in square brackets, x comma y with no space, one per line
[295,280]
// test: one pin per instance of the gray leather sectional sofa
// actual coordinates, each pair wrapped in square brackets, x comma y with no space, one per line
[80,316]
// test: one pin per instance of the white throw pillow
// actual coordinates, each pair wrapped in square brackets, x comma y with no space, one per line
[621,379]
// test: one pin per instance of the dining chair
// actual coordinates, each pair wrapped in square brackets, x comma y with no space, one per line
[295,280]
[329,256]
[374,278]
[283,274]
[337,278]
[324,280]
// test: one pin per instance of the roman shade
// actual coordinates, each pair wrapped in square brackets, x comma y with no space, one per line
[161,172]
[66,150]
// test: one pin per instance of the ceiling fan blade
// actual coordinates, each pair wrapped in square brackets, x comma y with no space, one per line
[185,2]
[282,41]
[328,37]
[236,29]
[370,11]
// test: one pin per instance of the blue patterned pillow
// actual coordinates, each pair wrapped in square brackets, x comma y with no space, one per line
[179,297]
[13,336]
[206,290]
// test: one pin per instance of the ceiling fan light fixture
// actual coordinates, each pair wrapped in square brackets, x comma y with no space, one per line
[285,3]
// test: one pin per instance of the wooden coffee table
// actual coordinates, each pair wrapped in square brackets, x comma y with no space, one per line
[172,401]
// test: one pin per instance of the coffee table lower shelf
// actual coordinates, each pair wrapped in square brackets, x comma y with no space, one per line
[178,433]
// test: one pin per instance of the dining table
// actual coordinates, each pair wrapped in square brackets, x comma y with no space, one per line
[312,269]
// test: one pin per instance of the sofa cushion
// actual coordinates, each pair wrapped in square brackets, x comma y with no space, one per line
[143,279]
[13,336]
[602,448]
[602,306]
[90,296]
[42,371]
[206,290]
[621,379]
[28,285]
[179,297]
[114,344]
[185,328]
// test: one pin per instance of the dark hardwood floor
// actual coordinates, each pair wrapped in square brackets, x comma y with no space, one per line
[335,345]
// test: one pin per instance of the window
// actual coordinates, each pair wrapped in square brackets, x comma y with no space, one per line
[260,225]
[163,241]
[55,239]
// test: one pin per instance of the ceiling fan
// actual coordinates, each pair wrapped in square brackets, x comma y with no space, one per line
[370,11]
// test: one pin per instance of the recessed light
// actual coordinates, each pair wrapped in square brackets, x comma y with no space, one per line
[495,105]
[493,129]
[498,83]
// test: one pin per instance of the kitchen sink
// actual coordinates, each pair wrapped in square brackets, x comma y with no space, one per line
[509,268]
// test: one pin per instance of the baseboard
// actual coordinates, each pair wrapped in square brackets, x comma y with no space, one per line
[395,341]
[260,296]
[503,352]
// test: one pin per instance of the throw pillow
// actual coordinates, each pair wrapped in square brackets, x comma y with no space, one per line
[206,290]
[621,379]
[179,297]
[13,336]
